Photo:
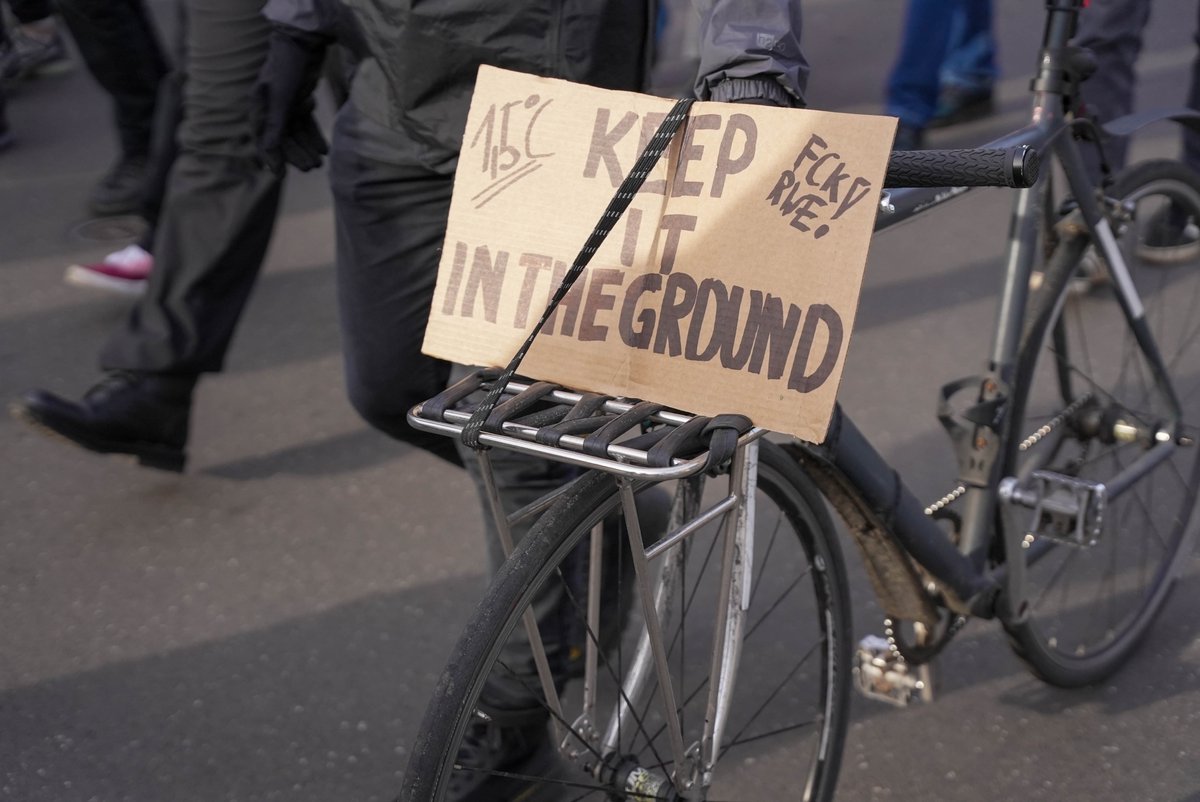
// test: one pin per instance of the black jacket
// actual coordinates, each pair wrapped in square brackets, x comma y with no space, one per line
[420,57]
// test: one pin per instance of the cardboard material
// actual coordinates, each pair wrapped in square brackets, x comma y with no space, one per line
[729,285]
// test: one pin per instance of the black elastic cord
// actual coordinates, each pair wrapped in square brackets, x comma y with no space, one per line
[616,207]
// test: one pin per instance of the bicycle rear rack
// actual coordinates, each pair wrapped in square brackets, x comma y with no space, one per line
[627,437]
[640,442]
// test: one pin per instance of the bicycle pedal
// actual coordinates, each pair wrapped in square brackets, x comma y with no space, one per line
[1065,508]
[880,673]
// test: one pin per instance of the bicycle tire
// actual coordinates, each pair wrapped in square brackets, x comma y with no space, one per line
[1069,355]
[787,501]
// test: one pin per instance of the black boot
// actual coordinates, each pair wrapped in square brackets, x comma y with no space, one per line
[122,188]
[142,414]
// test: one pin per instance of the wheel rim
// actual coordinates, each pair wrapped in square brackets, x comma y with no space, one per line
[1087,605]
[781,728]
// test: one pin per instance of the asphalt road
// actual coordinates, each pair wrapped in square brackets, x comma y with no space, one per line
[269,624]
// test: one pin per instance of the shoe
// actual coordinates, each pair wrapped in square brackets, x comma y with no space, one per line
[909,138]
[125,271]
[959,104]
[121,190]
[140,414]
[488,748]
[1172,237]
[37,56]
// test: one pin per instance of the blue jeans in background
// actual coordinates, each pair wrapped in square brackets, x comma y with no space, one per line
[945,43]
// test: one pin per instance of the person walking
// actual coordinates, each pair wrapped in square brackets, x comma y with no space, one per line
[120,46]
[395,149]
[1112,30]
[945,68]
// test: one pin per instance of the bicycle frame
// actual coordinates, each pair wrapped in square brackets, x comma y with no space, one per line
[874,486]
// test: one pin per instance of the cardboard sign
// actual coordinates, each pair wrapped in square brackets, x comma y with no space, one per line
[729,285]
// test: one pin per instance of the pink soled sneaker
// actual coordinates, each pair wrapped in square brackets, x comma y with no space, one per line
[124,271]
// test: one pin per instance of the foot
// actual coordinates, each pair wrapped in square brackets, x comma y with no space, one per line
[139,414]
[125,271]
[959,104]
[122,189]
[909,137]
[1172,237]
[36,52]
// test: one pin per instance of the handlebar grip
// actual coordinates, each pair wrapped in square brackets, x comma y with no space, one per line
[971,167]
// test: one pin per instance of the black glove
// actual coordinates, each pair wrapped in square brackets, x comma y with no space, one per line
[282,106]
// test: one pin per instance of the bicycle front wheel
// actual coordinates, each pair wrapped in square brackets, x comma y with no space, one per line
[496,731]
[1091,406]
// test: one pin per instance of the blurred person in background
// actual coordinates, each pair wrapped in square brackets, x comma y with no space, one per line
[122,49]
[31,48]
[120,46]
[945,69]
[127,270]
[1112,30]
[215,224]
[34,46]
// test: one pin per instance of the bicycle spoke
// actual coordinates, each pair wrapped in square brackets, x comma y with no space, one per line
[536,692]
[615,676]
[763,562]
[528,778]
[771,697]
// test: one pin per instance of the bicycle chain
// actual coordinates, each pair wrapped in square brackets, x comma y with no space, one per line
[898,648]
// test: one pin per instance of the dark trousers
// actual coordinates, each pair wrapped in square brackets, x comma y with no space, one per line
[1112,30]
[27,11]
[220,206]
[943,44]
[120,46]
[391,219]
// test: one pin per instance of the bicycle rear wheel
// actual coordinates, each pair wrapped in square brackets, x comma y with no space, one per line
[492,731]
[1091,406]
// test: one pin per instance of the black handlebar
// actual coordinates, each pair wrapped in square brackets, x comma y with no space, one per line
[974,167]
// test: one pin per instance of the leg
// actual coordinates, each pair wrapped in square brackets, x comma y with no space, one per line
[969,70]
[168,116]
[212,237]
[36,46]
[971,56]
[1112,30]
[912,88]
[391,219]
[220,207]
[1191,137]
[121,49]
[127,270]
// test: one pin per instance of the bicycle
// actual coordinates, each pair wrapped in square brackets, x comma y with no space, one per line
[1077,472]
